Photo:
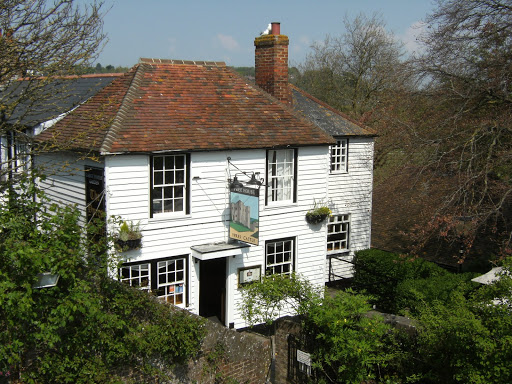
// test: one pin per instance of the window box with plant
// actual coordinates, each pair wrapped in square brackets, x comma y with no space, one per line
[128,237]
[318,214]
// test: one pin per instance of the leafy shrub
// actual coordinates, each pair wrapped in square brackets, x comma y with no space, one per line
[346,344]
[464,341]
[88,328]
[379,273]
[414,293]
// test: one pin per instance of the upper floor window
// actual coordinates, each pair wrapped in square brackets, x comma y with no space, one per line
[338,233]
[339,156]
[169,192]
[281,175]
[279,256]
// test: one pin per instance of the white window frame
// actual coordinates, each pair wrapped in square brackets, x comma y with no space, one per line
[168,278]
[169,192]
[339,156]
[338,233]
[172,287]
[280,256]
[136,275]
[281,172]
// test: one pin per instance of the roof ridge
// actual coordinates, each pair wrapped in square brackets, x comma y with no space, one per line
[334,110]
[128,98]
[145,60]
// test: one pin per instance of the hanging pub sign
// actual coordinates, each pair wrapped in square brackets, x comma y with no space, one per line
[244,206]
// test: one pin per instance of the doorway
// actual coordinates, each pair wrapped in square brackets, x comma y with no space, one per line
[212,291]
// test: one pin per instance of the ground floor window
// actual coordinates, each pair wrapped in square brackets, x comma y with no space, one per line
[279,256]
[165,277]
[338,233]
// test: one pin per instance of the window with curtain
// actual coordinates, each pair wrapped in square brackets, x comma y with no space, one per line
[281,175]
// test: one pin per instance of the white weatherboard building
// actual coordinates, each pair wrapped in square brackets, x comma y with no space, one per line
[161,145]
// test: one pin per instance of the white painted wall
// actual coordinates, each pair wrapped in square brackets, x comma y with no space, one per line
[166,235]
[351,193]
[127,178]
[65,178]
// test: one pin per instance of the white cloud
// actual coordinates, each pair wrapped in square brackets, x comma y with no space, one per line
[410,38]
[227,42]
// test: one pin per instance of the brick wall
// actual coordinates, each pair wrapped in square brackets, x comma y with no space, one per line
[228,356]
[271,65]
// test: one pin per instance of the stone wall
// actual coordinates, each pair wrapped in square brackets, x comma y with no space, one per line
[228,356]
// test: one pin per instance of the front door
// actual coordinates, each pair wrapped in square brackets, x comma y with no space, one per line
[212,291]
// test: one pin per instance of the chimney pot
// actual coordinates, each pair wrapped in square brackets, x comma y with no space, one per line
[276,28]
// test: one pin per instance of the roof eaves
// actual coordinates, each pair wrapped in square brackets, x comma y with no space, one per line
[128,98]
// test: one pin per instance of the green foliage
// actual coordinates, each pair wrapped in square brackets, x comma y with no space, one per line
[465,341]
[380,274]
[264,301]
[347,344]
[88,328]
[129,231]
[412,294]
[245,71]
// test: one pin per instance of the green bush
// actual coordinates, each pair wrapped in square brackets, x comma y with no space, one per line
[414,293]
[87,329]
[380,273]
[348,345]
[464,341]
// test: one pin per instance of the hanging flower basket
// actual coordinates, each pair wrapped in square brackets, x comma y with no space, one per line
[317,215]
[128,245]
[128,237]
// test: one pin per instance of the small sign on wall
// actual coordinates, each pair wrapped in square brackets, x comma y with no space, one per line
[304,360]
[248,275]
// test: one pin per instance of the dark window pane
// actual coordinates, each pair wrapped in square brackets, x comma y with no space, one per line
[180,162]
[157,193]
[179,276]
[158,162]
[180,177]
[169,177]
[169,162]
[168,192]
[158,178]
[168,206]
[178,191]
[178,205]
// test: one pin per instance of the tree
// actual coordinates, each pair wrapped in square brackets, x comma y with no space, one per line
[463,126]
[346,345]
[39,41]
[350,71]
[87,328]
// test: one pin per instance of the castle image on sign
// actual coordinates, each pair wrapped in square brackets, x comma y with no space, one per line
[243,227]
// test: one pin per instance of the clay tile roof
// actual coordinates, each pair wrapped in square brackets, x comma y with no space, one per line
[184,105]
[86,127]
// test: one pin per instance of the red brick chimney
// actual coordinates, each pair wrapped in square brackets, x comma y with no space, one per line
[271,62]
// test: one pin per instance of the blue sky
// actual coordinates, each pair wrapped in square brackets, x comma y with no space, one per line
[224,30]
